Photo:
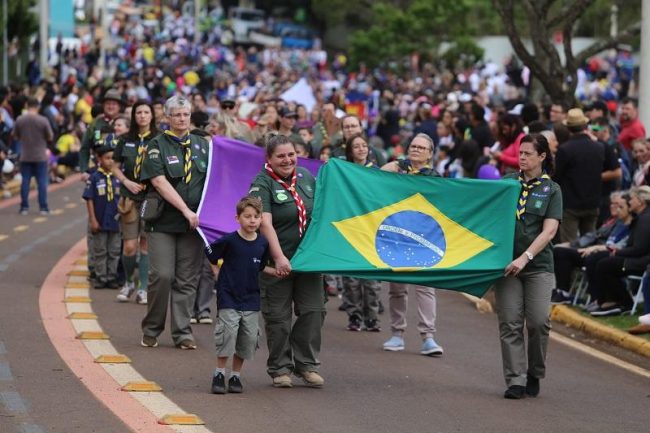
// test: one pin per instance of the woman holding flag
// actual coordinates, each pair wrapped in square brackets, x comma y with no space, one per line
[287,194]
[524,292]
[129,155]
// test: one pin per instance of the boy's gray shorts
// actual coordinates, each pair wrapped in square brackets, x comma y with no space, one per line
[236,332]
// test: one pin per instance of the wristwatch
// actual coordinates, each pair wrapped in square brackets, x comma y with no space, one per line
[529,255]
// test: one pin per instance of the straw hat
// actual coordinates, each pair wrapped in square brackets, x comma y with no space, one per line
[575,117]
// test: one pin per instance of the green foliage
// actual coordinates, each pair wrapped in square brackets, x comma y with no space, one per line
[462,52]
[395,33]
[22,23]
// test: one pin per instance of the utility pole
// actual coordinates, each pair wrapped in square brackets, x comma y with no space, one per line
[197,12]
[5,45]
[644,69]
[44,35]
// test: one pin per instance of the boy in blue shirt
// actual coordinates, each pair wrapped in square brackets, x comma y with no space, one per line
[101,195]
[244,253]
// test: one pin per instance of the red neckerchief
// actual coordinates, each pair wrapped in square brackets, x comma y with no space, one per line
[302,212]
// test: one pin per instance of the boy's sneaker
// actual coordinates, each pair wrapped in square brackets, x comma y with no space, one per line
[234,385]
[394,344]
[372,326]
[126,291]
[354,324]
[218,384]
[430,347]
[148,341]
[561,297]
[141,297]
[205,320]
[193,320]
[186,344]
[24,212]
[45,211]
[112,284]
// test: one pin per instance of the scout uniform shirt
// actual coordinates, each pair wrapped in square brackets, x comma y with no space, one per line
[104,197]
[165,157]
[404,166]
[544,201]
[126,153]
[279,202]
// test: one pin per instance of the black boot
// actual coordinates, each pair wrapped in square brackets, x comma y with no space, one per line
[515,392]
[532,386]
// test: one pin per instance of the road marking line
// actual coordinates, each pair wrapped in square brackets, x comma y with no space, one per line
[3,237]
[600,355]
[57,212]
[5,372]
[141,386]
[21,228]
[30,428]
[181,419]
[113,359]
[40,220]
[13,402]
[71,205]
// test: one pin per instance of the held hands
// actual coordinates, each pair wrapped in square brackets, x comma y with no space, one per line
[85,176]
[191,218]
[515,267]
[282,267]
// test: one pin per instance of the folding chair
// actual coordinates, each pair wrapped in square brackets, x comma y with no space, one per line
[638,296]
[579,287]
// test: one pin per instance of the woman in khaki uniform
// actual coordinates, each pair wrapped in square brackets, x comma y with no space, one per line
[129,154]
[523,294]
[287,194]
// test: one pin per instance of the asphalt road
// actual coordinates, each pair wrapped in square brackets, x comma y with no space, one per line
[366,389]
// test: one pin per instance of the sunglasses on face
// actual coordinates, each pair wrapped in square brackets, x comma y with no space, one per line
[227,105]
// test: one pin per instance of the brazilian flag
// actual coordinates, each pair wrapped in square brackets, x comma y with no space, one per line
[454,234]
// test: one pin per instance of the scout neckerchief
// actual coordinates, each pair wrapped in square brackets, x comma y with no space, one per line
[185,143]
[302,212]
[138,159]
[424,170]
[109,183]
[526,186]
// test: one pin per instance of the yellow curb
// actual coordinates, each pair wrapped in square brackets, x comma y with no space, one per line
[92,335]
[144,386]
[181,419]
[564,314]
[78,273]
[82,316]
[77,299]
[77,285]
[113,359]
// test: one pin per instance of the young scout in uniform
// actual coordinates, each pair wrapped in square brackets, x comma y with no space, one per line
[101,195]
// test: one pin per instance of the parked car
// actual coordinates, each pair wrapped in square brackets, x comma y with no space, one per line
[243,21]
[295,35]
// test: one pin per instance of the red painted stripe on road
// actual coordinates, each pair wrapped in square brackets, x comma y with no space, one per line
[74,353]
[51,188]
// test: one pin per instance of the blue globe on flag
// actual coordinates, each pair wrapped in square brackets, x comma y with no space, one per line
[410,239]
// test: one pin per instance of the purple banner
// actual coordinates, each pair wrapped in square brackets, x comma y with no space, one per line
[232,167]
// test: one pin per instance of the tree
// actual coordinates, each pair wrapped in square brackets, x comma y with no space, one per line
[544,17]
[21,21]
[394,32]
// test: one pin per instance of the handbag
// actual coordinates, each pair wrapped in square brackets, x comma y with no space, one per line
[152,206]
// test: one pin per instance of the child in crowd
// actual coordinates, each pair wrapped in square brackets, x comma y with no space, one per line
[101,195]
[245,253]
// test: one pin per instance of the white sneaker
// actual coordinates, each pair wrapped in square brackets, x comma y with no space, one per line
[645,319]
[126,291]
[141,297]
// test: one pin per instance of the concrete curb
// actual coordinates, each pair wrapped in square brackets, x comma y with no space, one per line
[566,315]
